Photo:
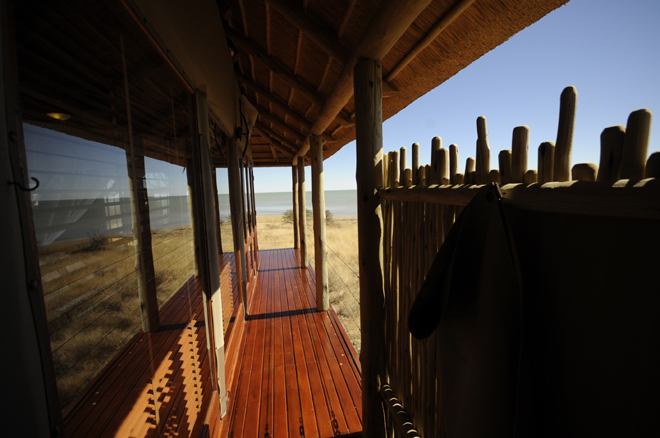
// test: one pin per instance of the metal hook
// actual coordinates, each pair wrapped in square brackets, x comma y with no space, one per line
[20,186]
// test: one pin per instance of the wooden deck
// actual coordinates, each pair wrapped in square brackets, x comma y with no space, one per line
[171,363]
[292,371]
[296,373]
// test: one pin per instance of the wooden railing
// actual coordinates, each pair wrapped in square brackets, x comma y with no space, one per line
[421,203]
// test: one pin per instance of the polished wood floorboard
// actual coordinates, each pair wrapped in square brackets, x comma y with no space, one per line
[297,374]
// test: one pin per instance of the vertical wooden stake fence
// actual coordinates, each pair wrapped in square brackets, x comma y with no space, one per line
[564,144]
[318,204]
[369,139]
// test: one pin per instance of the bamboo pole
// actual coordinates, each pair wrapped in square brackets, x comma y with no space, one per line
[369,147]
[302,213]
[611,149]
[546,162]
[564,144]
[584,172]
[318,204]
[636,144]
[519,153]
[294,190]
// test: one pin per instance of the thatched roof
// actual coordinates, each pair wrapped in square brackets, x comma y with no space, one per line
[481,27]
[292,58]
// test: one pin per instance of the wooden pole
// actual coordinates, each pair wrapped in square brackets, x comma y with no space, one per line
[302,213]
[611,149]
[584,172]
[294,189]
[519,153]
[546,162]
[144,259]
[318,204]
[402,162]
[531,176]
[469,171]
[653,166]
[564,145]
[217,211]
[505,166]
[483,151]
[369,175]
[211,284]
[636,145]
[453,163]
[237,222]
[415,163]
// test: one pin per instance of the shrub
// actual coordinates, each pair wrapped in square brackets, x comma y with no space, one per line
[95,242]
[287,217]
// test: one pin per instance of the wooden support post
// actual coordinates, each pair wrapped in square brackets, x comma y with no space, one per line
[237,222]
[211,265]
[369,140]
[564,145]
[217,211]
[519,154]
[294,190]
[144,259]
[318,204]
[302,213]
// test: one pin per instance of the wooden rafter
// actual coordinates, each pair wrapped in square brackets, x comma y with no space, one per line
[347,16]
[274,65]
[314,30]
[274,152]
[270,133]
[386,27]
[441,25]
[325,73]
[275,122]
[275,101]
[244,18]
[268,29]
[298,47]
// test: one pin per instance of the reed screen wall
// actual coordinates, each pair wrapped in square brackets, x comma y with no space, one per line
[421,202]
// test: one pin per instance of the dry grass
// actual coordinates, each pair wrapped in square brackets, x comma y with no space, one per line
[343,282]
[91,298]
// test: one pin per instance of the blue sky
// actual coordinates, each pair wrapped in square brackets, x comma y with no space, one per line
[608,49]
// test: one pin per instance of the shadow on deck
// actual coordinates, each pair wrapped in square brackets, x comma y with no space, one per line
[296,373]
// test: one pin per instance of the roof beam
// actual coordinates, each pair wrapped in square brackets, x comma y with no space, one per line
[270,133]
[441,25]
[263,112]
[281,105]
[347,16]
[389,23]
[270,62]
[313,30]
[275,101]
